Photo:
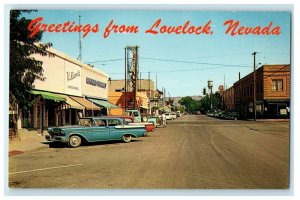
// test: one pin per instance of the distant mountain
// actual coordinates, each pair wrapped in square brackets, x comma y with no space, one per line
[176,99]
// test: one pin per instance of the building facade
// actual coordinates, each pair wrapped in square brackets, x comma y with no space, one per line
[228,99]
[148,99]
[272,92]
[68,91]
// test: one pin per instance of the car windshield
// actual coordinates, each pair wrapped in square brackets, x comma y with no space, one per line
[125,122]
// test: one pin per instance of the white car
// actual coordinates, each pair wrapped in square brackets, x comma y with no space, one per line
[173,115]
[168,116]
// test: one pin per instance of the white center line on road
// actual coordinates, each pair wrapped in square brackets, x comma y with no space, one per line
[42,169]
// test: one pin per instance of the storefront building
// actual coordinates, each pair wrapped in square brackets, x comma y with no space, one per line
[228,99]
[272,92]
[148,99]
[126,101]
[65,93]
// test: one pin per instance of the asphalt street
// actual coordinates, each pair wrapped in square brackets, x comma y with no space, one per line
[193,152]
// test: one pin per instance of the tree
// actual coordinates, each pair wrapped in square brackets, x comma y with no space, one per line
[191,105]
[208,100]
[23,68]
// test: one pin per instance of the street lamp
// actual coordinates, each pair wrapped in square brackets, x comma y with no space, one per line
[210,86]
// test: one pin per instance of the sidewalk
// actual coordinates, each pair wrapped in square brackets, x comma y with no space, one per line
[270,120]
[29,140]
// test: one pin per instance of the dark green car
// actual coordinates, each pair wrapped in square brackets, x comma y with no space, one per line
[95,129]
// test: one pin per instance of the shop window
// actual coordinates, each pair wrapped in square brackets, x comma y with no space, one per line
[277,85]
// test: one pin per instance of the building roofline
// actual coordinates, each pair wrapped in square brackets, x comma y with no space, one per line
[76,62]
[261,67]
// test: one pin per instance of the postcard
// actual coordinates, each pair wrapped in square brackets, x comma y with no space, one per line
[139,99]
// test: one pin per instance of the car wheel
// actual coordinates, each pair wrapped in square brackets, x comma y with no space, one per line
[74,141]
[126,138]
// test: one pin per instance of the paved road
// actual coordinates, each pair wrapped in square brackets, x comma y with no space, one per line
[192,152]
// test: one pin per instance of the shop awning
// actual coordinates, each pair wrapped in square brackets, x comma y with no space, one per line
[103,103]
[48,95]
[72,103]
[143,106]
[86,103]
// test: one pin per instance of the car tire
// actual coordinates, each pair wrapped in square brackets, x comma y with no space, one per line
[126,138]
[74,141]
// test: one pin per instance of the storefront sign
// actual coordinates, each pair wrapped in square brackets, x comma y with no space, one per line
[72,75]
[95,83]
[283,111]
[73,87]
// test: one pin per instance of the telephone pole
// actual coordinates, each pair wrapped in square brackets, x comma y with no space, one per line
[254,87]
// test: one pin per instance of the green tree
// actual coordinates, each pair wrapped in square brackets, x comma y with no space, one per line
[213,100]
[23,68]
[191,105]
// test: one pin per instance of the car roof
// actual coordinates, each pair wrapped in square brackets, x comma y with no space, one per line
[104,117]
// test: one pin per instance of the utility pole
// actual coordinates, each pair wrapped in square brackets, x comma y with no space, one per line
[125,87]
[210,86]
[240,95]
[149,106]
[156,81]
[254,87]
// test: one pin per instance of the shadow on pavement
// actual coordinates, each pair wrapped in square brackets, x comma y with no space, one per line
[62,145]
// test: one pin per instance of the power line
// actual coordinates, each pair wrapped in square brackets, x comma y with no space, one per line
[191,62]
[177,61]
[101,61]
[184,70]
[183,61]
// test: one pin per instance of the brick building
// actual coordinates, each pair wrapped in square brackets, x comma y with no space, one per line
[228,99]
[272,93]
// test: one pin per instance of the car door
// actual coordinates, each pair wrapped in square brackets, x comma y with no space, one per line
[115,133]
[100,130]
[86,128]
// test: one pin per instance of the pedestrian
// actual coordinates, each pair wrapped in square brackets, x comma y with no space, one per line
[164,120]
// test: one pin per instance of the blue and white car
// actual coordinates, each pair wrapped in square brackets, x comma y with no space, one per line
[95,129]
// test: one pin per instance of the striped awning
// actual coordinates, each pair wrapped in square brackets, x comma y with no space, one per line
[103,103]
[72,103]
[86,103]
[48,95]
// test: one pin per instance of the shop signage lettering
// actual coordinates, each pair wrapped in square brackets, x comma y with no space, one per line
[95,83]
[72,75]
[73,87]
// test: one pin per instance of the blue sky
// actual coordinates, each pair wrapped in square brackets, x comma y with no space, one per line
[219,51]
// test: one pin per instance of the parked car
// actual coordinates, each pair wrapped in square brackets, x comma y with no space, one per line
[223,114]
[168,116]
[130,121]
[178,114]
[95,129]
[209,113]
[173,115]
[219,114]
[139,118]
[232,115]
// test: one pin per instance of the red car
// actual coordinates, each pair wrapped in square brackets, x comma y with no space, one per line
[130,120]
